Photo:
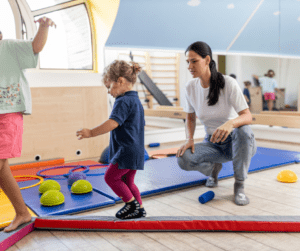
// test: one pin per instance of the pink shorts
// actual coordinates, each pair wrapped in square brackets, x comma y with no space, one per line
[11,133]
[269,96]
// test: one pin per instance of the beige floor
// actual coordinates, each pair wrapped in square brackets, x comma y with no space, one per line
[267,196]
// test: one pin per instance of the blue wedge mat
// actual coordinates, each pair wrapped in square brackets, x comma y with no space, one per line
[73,203]
[164,174]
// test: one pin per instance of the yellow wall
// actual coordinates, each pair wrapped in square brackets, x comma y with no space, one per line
[103,14]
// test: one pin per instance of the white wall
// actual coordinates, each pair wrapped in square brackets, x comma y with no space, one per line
[286,70]
[43,78]
[184,74]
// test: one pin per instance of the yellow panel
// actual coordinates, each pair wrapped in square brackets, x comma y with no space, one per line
[103,14]
[7,212]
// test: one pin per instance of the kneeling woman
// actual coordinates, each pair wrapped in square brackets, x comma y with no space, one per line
[219,103]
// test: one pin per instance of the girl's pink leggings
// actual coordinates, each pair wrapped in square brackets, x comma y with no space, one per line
[121,181]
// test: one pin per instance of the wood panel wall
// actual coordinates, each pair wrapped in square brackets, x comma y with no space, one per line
[58,112]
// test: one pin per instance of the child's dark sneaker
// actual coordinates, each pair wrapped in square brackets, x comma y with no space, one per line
[129,208]
[139,213]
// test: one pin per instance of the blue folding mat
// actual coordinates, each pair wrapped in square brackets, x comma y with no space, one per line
[73,202]
[161,175]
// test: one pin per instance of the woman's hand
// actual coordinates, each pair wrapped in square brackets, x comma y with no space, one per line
[45,22]
[222,132]
[84,133]
[188,144]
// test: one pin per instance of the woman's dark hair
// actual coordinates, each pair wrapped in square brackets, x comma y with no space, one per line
[217,81]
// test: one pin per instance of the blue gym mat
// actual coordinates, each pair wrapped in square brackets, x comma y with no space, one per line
[164,174]
[158,176]
[73,202]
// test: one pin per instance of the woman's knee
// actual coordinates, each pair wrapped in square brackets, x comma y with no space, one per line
[184,159]
[243,138]
[243,133]
[187,160]
[181,162]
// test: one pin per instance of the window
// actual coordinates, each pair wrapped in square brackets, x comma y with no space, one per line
[24,30]
[7,21]
[41,4]
[69,46]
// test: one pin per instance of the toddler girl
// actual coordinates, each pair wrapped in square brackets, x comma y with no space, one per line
[126,124]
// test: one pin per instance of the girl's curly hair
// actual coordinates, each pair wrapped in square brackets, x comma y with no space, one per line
[120,68]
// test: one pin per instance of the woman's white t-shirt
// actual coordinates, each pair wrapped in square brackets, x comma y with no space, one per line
[231,102]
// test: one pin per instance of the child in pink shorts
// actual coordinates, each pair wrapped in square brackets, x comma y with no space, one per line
[269,96]
[126,124]
[15,101]
[268,85]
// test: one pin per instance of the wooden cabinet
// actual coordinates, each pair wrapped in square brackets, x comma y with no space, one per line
[280,99]
[256,100]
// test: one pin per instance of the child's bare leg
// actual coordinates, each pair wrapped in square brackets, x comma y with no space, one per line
[11,189]
[270,105]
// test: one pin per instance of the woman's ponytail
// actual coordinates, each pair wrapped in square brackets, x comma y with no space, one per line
[217,82]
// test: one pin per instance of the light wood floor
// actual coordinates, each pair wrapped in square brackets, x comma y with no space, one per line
[267,197]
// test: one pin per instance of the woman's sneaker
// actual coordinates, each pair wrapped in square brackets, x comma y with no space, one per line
[128,209]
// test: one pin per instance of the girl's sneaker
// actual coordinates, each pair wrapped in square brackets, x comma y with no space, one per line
[139,213]
[128,209]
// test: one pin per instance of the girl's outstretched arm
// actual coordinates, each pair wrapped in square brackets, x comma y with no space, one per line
[106,127]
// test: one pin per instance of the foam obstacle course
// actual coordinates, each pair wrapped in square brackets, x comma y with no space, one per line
[72,202]
[159,176]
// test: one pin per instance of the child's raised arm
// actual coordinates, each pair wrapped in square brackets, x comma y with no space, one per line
[106,127]
[40,39]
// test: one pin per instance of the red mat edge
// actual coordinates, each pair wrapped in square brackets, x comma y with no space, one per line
[13,239]
[200,225]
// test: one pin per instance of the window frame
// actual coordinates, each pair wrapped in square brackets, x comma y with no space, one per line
[17,16]
[28,17]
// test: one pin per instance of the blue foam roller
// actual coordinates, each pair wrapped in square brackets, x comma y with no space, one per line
[206,197]
[154,144]
[146,156]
